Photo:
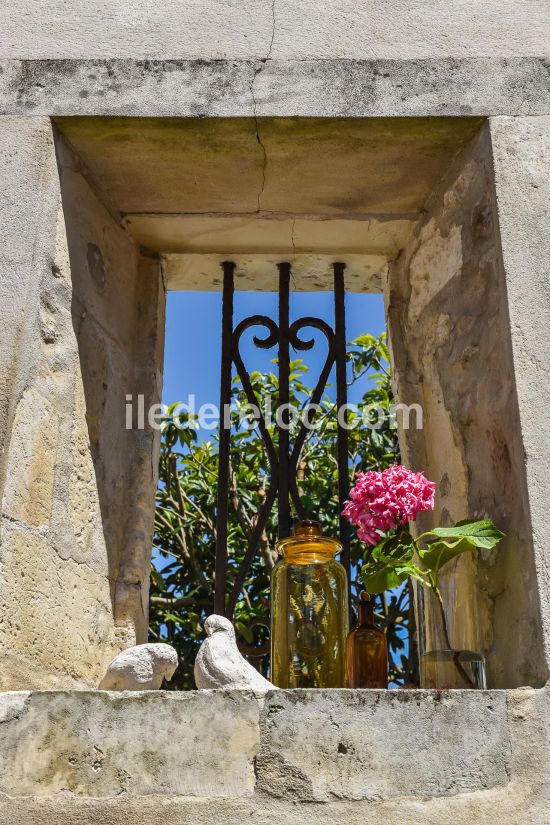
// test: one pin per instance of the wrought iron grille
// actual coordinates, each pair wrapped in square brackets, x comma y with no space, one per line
[283,459]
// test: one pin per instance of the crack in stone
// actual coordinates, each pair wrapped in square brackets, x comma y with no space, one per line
[272,30]
[40,530]
[257,71]
[292,241]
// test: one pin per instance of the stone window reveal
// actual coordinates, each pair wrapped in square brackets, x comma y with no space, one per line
[412,204]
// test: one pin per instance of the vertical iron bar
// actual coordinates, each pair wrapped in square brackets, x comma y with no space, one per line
[341,402]
[225,432]
[284,396]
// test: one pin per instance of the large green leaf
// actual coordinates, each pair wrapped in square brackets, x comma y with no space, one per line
[439,553]
[390,564]
[394,549]
[379,577]
[451,542]
[481,533]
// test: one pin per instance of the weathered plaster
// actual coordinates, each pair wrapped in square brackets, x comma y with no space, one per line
[310,273]
[449,330]
[103,744]
[521,148]
[296,167]
[341,745]
[321,188]
[455,86]
[278,29]
[259,234]
[53,581]
[74,576]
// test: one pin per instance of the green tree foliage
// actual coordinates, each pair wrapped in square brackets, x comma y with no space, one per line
[184,539]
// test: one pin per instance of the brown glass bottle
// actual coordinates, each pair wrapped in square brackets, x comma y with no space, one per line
[367,650]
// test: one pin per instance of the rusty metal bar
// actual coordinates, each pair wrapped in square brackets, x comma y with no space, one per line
[284,398]
[299,344]
[225,432]
[341,405]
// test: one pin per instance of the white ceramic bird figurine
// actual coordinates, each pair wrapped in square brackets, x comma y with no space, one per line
[142,667]
[219,663]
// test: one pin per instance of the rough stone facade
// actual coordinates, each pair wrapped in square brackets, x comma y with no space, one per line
[81,324]
[77,301]
[452,348]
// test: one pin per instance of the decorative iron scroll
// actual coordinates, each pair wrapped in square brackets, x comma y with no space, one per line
[283,462]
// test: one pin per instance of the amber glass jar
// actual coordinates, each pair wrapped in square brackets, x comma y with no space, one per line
[367,650]
[309,612]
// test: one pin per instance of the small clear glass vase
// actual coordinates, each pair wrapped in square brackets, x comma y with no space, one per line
[448,631]
[453,670]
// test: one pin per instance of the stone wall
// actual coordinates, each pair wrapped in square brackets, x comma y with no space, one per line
[73,574]
[449,329]
[76,293]
[398,30]
[327,756]
[521,153]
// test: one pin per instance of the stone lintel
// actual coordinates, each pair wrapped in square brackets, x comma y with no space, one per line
[455,86]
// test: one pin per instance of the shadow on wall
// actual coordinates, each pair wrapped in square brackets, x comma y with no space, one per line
[118,320]
[450,333]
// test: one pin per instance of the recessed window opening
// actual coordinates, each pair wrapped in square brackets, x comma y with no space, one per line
[409,205]
[183,574]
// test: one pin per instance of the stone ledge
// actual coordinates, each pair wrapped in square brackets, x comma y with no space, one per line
[103,744]
[301,746]
[380,745]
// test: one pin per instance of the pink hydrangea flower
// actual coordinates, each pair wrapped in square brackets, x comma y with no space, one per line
[382,501]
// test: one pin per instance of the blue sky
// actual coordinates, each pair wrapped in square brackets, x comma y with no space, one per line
[193,336]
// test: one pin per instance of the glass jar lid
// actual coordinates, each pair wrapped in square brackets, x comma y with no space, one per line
[308,540]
